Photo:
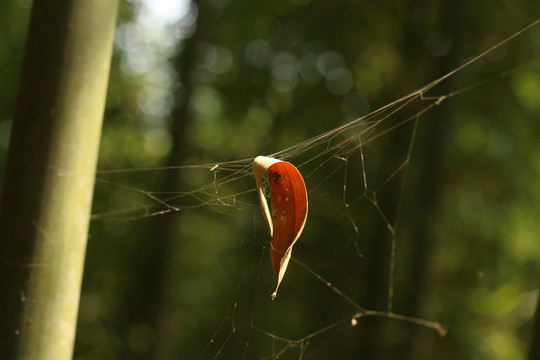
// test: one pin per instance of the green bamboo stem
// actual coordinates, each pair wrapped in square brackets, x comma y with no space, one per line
[49,179]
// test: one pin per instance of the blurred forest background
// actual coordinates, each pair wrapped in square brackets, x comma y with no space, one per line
[178,254]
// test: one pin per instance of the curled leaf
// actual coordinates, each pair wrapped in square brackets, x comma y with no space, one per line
[288,197]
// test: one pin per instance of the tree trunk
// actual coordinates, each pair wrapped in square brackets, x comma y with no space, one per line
[47,194]
[167,343]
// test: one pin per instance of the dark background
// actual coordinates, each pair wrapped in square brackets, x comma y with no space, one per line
[190,277]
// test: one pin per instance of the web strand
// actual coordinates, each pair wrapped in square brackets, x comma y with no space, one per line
[325,161]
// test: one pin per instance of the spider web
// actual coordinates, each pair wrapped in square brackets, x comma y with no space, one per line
[352,184]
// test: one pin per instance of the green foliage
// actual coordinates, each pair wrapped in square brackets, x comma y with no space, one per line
[13,24]
[258,77]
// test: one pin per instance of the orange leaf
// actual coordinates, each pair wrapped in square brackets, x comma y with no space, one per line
[289,209]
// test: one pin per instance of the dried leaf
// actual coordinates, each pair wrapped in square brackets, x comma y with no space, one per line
[289,205]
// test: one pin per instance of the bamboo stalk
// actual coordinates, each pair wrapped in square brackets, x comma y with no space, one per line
[48,187]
